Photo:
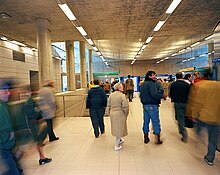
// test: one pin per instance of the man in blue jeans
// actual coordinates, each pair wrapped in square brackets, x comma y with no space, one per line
[151,94]
[7,139]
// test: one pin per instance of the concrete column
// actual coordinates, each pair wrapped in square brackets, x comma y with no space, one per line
[45,62]
[217,49]
[90,66]
[83,64]
[70,66]
[210,56]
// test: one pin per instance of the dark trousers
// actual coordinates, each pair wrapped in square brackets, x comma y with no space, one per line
[97,118]
[7,164]
[130,94]
[50,129]
[180,112]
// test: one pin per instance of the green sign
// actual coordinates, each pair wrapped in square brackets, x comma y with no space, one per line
[105,73]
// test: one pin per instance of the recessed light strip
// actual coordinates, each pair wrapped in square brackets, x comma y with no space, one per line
[67,11]
[173,6]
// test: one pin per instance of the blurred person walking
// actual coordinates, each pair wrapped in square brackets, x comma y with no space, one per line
[107,86]
[151,94]
[179,92]
[207,109]
[118,108]
[96,102]
[129,86]
[36,125]
[47,105]
[7,139]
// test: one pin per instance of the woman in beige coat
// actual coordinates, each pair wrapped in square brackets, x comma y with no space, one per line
[118,109]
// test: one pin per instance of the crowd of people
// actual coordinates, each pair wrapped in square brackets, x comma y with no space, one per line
[196,104]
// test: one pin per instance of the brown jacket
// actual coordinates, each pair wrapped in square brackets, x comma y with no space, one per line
[207,102]
[118,109]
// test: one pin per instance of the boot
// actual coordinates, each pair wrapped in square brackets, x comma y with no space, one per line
[158,141]
[146,138]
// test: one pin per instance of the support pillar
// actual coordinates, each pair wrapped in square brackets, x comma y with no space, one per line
[210,56]
[45,62]
[70,66]
[83,64]
[90,66]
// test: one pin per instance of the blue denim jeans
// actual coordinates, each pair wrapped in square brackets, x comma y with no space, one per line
[151,112]
[7,163]
[213,134]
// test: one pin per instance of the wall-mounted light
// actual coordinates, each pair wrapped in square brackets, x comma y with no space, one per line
[67,11]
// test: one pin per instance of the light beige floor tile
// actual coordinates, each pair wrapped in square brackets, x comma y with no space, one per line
[78,152]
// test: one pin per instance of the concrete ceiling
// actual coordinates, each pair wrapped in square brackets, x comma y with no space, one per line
[117,27]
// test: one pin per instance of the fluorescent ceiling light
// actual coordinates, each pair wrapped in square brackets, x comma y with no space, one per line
[209,37]
[82,31]
[34,49]
[103,59]
[139,52]
[143,47]
[159,25]
[18,43]
[67,11]
[161,60]
[174,54]
[202,55]
[158,62]
[173,6]
[166,58]
[89,41]
[4,38]
[195,44]
[149,39]
[99,53]
[95,48]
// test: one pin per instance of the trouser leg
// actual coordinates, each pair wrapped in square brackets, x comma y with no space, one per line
[95,121]
[50,129]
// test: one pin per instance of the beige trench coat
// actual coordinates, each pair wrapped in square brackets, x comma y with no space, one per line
[118,109]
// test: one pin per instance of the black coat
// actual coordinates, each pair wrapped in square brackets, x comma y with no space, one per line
[96,98]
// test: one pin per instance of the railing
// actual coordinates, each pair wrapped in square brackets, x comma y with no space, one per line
[71,105]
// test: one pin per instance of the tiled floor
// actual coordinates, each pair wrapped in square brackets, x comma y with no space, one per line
[78,152]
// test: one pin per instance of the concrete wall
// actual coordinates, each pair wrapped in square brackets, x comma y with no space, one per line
[20,71]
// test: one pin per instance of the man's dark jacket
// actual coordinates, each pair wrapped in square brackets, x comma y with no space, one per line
[150,93]
[96,98]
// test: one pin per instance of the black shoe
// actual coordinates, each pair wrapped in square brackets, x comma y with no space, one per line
[96,136]
[43,161]
[184,140]
[102,132]
[158,141]
[146,138]
[56,138]
[208,162]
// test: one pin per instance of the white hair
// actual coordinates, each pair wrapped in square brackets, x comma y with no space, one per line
[117,86]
